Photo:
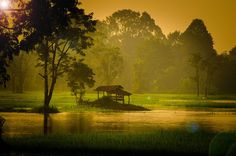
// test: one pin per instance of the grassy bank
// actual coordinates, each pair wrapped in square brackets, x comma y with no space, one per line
[10,102]
[170,142]
[108,103]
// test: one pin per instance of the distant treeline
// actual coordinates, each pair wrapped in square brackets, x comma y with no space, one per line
[130,49]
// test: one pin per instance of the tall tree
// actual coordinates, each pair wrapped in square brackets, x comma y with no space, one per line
[127,29]
[199,43]
[58,30]
[104,57]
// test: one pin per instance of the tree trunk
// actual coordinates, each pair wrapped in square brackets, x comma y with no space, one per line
[207,83]
[198,81]
[48,89]
[46,100]
[206,90]
[20,82]
[46,97]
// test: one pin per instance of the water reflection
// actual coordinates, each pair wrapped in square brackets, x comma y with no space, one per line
[72,122]
[192,121]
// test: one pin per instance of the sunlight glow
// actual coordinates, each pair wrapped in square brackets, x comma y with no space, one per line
[4,4]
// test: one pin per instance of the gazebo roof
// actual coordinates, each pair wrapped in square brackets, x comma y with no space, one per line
[120,92]
[109,88]
[113,89]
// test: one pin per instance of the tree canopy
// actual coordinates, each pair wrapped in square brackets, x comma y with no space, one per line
[199,44]
[9,46]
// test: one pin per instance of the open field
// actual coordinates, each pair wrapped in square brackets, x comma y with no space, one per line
[66,103]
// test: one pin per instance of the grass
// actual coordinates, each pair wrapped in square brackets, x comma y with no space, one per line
[107,103]
[10,102]
[223,144]
[168,141]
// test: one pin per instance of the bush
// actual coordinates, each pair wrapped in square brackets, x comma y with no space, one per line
[222,144]
[41,110]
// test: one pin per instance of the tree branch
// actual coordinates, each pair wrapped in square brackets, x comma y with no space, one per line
[42,76]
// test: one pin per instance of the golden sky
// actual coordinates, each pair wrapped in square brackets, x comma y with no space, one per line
[218,15]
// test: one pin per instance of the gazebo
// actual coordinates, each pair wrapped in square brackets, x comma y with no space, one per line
[116,92]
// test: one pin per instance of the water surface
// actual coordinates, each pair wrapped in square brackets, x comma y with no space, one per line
[18,124]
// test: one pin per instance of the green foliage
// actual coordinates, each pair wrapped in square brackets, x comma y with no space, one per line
[41,109]
[80,76]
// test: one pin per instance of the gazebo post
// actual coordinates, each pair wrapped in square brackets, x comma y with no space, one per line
[123,99]
[129,100]
[116,97]
[98,94]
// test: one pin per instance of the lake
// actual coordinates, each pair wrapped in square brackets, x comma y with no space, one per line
[19,124]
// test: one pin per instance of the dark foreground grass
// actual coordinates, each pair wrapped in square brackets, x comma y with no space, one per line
[161,142]
[223,144]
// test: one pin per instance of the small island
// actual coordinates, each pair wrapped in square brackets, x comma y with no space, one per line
[112,95]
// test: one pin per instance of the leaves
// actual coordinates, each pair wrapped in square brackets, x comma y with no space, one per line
[80,76]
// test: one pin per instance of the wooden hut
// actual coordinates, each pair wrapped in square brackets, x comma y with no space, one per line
[116,92]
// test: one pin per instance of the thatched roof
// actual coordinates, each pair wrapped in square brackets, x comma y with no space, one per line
[113,89]
[109,88]
[120,92]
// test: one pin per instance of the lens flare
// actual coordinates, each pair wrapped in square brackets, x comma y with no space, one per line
[193,127]
[4,4]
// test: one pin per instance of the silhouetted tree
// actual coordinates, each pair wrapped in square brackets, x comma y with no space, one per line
[80,76]
[58,30]
[174,39]
[199,43]
[225,75]
[232,52]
